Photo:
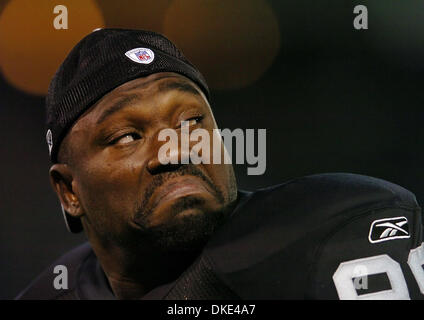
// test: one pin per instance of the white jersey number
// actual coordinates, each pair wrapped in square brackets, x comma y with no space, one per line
[360,269]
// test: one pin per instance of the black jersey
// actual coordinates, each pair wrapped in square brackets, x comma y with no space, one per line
[326,236]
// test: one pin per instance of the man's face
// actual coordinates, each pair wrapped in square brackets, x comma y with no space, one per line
[124,191]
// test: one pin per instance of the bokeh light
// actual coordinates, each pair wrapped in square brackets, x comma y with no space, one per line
[232,42]
[3,4]
[31,49]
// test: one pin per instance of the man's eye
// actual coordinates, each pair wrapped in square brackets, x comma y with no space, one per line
[127,138]
[192,121]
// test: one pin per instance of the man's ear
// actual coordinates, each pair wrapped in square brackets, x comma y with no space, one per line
[63,183]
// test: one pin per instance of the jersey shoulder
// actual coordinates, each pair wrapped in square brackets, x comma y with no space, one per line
[330,194]
[301,205]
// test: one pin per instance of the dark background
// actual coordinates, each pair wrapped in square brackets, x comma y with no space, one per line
[334,99]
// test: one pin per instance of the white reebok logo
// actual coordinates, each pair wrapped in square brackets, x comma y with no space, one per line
[389,229]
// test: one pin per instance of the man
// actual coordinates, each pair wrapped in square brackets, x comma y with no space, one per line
[183,230]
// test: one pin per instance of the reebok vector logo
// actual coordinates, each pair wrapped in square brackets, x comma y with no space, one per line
[389,229]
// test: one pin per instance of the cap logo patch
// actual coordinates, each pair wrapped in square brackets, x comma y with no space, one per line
[49,139]
[389,229]
[141,55]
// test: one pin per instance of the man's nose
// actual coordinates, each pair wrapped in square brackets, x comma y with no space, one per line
[175,155]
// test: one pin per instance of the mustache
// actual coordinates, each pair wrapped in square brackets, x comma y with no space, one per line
[142,208]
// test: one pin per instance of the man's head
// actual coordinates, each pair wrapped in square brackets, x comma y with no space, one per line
[106,168]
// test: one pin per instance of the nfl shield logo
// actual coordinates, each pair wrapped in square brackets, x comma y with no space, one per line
[141,55]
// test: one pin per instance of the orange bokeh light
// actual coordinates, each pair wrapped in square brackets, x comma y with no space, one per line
[232,42]
[31,49]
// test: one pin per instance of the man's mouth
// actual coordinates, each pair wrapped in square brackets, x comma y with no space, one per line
[182,189]
[177,188]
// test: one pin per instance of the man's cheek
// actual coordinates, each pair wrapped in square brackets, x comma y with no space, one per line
[105,189]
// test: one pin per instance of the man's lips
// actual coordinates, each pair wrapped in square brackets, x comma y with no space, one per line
[177,188]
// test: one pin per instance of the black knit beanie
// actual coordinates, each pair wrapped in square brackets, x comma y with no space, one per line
[102,61]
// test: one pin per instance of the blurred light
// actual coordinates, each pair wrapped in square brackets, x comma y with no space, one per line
[130,14]
[3,4]
[232,42]
[31,49]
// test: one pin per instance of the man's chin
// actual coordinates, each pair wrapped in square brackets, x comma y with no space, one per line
[186,223]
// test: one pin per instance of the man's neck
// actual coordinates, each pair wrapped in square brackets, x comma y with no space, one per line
[131,275]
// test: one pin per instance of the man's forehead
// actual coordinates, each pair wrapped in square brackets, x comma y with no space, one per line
[157,81]
[135,90]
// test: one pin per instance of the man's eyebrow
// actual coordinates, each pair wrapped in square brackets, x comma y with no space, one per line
[120,104]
